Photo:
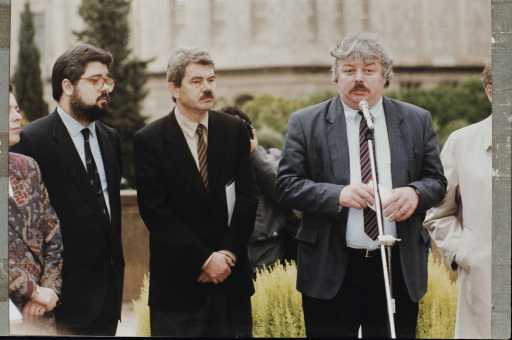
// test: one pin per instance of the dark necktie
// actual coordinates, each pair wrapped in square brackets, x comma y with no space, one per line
[370,217]
[92,173]
[201,155]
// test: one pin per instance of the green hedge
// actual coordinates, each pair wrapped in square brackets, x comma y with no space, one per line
[452,107]
[277,307]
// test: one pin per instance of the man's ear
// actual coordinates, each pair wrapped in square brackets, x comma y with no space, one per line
[67,87]
[173,89]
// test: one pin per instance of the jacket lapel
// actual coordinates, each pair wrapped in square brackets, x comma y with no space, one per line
[337,142]
[394,120]
[108,156]
[214,150]
[70,159]
[181,155]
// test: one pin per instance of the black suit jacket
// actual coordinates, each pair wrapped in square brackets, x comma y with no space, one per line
[187,223]
[93,255]
[316,166]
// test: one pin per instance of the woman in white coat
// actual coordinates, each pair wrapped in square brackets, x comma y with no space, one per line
[461,225]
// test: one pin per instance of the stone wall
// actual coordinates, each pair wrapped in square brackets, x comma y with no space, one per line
[135,246]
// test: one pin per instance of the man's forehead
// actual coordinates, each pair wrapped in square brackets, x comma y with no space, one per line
[95,68]
[359,61]
[199,70]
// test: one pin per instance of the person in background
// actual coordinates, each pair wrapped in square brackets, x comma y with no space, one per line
[461,226]
[80,161]
[35,241]
[275,226]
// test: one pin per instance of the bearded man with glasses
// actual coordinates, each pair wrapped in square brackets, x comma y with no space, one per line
[80,163]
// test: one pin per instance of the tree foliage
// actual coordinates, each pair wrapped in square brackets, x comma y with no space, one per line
[27,77]
[452,107]
[107,26]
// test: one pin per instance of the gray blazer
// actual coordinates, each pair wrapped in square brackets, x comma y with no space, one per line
[314,169]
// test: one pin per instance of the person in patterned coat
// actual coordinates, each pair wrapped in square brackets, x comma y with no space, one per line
[35,242]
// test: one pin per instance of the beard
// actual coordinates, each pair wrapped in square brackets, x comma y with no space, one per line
[88,112]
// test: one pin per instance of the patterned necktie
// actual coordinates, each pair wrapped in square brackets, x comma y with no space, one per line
[201,155]
[92,173]
[370,217]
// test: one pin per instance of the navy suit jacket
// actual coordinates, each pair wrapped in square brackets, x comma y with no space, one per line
[314,169]
[186,223]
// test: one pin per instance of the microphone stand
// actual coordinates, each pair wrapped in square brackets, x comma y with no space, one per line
[385,241]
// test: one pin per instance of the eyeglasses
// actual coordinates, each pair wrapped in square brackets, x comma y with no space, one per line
[100,81]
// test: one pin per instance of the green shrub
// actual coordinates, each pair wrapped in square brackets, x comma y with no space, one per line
[277,305]
[452,107]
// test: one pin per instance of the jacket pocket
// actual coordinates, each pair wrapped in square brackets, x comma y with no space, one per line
[307,235]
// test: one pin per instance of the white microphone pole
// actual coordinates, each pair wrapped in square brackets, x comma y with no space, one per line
[383,240]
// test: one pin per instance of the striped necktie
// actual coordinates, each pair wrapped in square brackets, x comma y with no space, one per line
[201,155]
[370,217]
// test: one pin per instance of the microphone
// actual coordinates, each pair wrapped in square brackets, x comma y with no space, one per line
[363,106]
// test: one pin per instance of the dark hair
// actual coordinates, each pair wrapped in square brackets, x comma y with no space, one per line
[71,65]
[234,111]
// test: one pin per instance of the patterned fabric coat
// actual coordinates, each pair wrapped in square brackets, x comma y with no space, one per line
[35,241]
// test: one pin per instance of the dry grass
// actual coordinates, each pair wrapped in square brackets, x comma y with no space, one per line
[277,306]
[141,308]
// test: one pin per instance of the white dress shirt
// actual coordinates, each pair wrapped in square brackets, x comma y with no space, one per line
[189,127]
[355,235]
[74,129]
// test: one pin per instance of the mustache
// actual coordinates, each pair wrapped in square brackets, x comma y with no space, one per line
[105,96]
[207,95]
[360,87]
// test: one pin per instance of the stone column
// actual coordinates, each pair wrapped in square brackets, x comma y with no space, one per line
[5,33]
[501,188]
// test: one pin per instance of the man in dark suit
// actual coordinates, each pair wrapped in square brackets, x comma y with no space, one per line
[189,165]
[325,173]
[80,164]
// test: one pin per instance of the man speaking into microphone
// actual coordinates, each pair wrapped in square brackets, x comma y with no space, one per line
[325,173]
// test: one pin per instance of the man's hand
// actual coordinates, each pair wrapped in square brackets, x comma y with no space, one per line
[401,204]
[47,297]
[359,196]
[33,309]
[216,270]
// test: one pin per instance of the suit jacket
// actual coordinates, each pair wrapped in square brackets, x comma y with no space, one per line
[314,169]
[93,256]
[35,241]
[464,230]
[186,222]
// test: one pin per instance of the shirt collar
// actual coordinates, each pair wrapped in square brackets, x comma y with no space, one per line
[189,126]
[73,126]
[376,110]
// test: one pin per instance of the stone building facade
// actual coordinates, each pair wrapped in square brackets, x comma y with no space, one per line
[281,47]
